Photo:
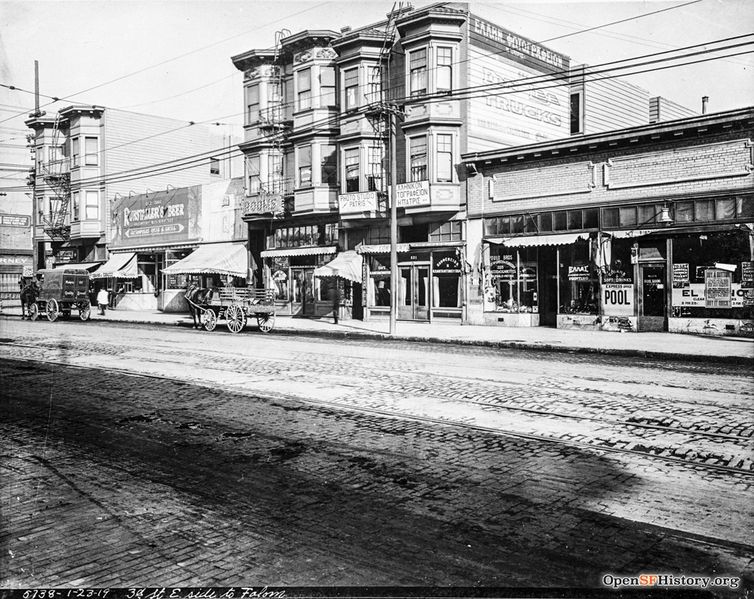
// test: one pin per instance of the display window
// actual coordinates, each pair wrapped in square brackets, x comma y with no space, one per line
[511,281]
[579,281]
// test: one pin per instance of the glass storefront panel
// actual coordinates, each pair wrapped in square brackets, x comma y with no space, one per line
[579,283]
[511,280]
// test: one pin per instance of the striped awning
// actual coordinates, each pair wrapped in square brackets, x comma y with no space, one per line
[307,251]
[216,258]
[119,266]
[84,265]
[346,265]
[538,240]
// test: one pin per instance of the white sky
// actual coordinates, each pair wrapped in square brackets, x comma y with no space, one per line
[83,44]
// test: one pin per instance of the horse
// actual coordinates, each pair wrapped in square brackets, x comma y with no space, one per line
[197,296]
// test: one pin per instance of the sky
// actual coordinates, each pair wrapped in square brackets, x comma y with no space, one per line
[173,58]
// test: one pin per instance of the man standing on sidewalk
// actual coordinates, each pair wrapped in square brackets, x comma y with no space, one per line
[102,300]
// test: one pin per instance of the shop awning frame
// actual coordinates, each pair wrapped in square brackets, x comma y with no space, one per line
[305,251]
[346,265]
[216,258]
[538,240]
[85,265]
[119,266]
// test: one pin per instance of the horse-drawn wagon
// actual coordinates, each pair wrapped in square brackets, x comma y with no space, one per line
[236,305]
[61,291]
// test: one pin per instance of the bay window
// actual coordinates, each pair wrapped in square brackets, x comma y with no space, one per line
[75,151]
[351,88]
[252,104]
[375,156]
[374,84]
[75,204]
[91,154]
[275,173]
[444,157]
[444,69]
[252,174]
[351,160]
[304,156]
[418,155]
[329,163]
[418,72]
[92,205]
[304,89]
[327,87]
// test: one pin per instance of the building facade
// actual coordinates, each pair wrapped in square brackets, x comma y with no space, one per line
[87,157]
[645,228]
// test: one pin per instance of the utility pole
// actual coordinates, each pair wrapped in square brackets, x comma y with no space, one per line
[393,222]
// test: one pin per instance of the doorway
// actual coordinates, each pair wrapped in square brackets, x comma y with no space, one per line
[413,292]
[652,298]
[548,286]
[302,291]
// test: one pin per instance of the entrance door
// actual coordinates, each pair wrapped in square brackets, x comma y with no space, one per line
[302,291]
[413,292]
[653,298]
[548,287]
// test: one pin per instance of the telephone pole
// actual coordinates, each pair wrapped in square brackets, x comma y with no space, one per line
[393,221]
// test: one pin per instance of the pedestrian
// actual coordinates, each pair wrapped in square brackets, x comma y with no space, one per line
[103,298]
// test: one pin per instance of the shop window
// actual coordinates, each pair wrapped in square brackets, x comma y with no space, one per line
[91,151]
[444,69]
[375,180]
[252,104]
[379,290]
[418,154]
[304,89]
[511,281]
[252,174]
[579,284]
[92,205]
[446,290]
[545,222]
[418,73]
[444,144]
[560,221]
[324,289]
[352,169]
[628,216]
[329,171]
[327,86]
[304,155]
[351,88]
[75,155]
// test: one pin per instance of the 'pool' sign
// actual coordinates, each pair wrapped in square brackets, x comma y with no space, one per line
[618,299]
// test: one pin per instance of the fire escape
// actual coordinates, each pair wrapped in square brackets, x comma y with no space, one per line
[57,176]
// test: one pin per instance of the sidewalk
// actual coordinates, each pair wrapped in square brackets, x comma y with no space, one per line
[651,345]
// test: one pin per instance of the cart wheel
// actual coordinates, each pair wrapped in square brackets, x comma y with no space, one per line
[235,318]
[266,321]
[85,310]
[52,310]
[33,311]
[208,318]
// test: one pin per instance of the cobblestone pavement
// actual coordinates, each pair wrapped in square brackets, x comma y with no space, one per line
[173,457]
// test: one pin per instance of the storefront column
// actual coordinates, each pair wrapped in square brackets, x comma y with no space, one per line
[557,278]
[668,281]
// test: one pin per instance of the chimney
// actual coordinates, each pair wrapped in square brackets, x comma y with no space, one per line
[344,30]
[705,99]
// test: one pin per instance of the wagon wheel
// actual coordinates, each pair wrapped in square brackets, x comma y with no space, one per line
[235,318]
[208,318]
[52,310]
[33,311]
[266,321]
[85,310]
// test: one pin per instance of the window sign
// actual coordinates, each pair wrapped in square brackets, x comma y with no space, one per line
[747,275]
[717,288]
[680,275]
[618,299]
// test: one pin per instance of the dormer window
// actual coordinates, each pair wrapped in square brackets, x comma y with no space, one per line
[418,72]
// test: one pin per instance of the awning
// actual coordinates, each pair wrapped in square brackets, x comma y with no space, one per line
[383,248]
[630,233]
[538,240]
[119,266]
[84,265]
[310,251]
[216,258]
[346,265]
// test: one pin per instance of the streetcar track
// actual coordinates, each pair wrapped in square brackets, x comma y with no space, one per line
[384,413]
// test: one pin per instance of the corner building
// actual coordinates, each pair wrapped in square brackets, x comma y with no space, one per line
[647,228]
[317,154]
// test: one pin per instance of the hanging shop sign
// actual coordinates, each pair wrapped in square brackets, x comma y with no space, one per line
[747,275]
[263,204]
[680,275]
[409,195]
[717,288]
[365,201]
[618,299]
[157,218]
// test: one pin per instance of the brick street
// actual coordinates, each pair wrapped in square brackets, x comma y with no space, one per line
[137,456]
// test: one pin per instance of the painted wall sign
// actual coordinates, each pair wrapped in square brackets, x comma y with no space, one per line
[157,218]
[365,201]
[263,204]
[618,299]
[15,220]
[717,288]
[408,195]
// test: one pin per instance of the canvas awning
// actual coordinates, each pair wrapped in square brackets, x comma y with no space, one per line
[630,233]
[309,251]
[84,265]
[119,266]
[538,240]
[217,258]
[346,265]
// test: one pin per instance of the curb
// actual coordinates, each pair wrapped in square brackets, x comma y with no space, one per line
[544,347]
